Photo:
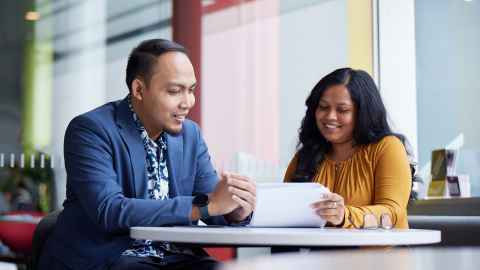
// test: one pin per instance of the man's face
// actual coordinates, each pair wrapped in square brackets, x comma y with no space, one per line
[165,101]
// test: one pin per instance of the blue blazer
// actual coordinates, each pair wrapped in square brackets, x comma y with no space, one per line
[107,187]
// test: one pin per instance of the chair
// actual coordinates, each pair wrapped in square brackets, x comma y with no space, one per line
[46,226]
[43,230]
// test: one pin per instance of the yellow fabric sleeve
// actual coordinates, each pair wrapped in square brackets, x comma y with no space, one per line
[392,186]
[292,166]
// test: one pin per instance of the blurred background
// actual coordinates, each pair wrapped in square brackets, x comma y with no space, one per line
[256,61]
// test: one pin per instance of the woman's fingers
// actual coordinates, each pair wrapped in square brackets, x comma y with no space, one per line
[331,208]
[327,212]
[326,204]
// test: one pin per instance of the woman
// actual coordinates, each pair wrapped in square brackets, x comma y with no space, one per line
[346,144]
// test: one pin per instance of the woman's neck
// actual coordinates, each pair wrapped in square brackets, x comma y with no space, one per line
[342,151]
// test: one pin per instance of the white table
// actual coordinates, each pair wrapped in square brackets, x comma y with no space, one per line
[7,266]
[424,258]
[294,237]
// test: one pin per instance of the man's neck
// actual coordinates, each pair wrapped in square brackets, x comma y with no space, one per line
[152,133]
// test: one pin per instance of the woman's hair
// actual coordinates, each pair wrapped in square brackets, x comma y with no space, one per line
[371,119]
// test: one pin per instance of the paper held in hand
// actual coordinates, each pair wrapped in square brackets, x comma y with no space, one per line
[287,205]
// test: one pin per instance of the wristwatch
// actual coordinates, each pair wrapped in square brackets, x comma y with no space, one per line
[201,201]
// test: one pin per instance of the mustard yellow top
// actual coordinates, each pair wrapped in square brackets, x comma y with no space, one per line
[376,180]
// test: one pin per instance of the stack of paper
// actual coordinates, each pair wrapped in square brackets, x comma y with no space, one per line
[287,205]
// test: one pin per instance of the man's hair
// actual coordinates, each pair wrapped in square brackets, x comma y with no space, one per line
[144,56]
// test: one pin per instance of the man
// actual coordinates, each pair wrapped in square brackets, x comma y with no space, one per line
[140,162]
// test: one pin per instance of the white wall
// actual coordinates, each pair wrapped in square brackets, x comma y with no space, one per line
[240,82]
[260,61]
[397,75]
[313,42]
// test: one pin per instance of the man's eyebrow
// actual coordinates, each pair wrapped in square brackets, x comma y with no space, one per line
[174,84]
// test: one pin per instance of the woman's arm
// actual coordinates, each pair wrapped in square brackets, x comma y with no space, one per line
[392,186]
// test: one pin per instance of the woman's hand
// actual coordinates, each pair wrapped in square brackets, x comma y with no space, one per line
[331,208]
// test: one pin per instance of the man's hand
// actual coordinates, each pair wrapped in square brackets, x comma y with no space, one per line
[244,193]
[221,199]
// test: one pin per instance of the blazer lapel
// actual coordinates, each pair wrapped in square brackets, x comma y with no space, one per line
[175,163]
[133,141]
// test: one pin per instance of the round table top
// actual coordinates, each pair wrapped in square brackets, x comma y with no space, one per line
[302,237]
[425,258]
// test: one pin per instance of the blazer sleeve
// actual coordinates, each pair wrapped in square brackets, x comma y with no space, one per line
[206,177]
[92,179]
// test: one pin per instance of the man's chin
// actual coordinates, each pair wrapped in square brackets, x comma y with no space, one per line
[174,130]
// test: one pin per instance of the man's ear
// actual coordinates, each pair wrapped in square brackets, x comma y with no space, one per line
[137,88]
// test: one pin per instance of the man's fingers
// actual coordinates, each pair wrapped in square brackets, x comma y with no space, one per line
[245,195]
[244,204]
[245,185]
[240,177]
[225,175]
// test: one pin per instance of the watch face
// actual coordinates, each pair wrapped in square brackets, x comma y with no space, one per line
[200,200]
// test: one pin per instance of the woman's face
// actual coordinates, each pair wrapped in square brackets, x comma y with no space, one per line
[336,115]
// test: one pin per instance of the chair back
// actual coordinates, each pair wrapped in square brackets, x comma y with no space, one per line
[43,230]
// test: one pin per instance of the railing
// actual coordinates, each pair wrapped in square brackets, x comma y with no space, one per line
[22,160]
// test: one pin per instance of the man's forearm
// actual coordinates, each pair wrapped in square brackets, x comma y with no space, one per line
[195,213]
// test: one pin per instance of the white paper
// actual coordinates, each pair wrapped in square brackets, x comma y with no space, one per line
[287,205]
[464,183]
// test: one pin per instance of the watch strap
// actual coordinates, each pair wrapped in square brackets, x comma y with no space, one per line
[204,212]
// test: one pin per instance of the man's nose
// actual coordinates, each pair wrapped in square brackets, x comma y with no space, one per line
[188,101]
